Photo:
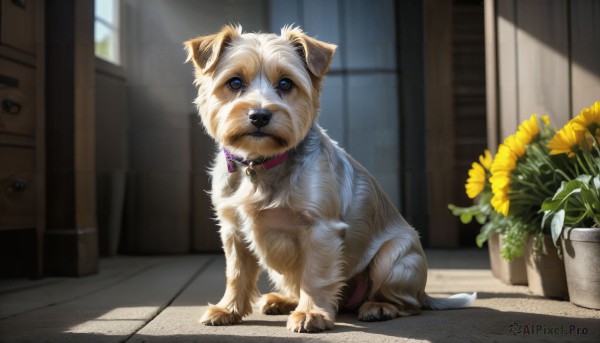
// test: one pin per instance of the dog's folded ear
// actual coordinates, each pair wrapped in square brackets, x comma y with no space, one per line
[317,55]
[205,50]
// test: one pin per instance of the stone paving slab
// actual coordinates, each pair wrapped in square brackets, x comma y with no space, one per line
[110,314]
[498,308]
[161,300]
[23,295]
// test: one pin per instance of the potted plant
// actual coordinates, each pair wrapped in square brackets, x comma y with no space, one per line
[493,224]
[574,210]
[523,175]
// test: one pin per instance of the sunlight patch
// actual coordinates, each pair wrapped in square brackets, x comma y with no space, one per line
[118,321]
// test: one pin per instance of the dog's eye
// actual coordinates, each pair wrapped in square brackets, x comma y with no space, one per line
[285,85]
[235,84]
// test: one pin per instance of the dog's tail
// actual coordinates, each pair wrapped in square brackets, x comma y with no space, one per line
[452,302]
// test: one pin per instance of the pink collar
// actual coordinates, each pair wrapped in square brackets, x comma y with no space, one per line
[252,167]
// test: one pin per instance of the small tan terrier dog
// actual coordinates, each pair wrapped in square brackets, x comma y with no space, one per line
[289,200]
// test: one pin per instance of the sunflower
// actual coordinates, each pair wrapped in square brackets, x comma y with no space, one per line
[500,203]
[516,145]
[476,181]
[588,119]
[504,161]
[519,178]
[502,166]
[510,151]
[566,141]
[528,129]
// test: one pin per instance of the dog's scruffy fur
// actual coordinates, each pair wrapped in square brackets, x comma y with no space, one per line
[318,222]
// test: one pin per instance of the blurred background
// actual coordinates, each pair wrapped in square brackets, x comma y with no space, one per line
[102,152]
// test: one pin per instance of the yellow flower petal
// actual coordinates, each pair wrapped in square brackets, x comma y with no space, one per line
[516,145]
[505,160]
[499,181]
[500,203]
[486,159]
[509,152]
[476,181]
[566,141]
[528,129]
[546,120]
[588,118]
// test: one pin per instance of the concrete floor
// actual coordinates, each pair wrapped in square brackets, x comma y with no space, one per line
[159,299]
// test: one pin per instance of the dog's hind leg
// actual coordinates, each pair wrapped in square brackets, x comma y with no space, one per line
[283,302]
[398,274]
[275,303]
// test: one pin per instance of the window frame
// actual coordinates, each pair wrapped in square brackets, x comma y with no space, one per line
[114,49]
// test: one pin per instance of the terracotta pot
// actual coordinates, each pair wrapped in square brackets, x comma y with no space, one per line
[512,273]
[581,250]
[545,270]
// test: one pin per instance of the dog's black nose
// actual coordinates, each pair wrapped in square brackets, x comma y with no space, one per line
[260,117]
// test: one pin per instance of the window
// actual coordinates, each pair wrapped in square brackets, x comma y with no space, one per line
[106,30]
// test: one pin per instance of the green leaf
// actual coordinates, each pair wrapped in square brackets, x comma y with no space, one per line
[466,218]
[547,215]
[513,242]
[551,204]
[466,214]
[596,182]
[556,226]
[567,190]
[481,218]
[588,199]
[484,234]
[585,179]
[481,239]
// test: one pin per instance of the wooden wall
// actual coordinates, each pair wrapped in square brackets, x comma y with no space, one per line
[71,239]
[443,229]
[167,208]
[455,111]
[468,94]
[413,159]
[360,98]
[111,154]
[543,57]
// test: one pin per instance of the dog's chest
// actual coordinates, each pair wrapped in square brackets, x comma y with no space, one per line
[271,220]
[284,220]
[277,236]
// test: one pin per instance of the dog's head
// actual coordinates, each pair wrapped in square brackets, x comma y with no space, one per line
[258,94]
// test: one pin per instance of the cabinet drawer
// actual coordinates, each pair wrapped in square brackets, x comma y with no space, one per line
[17,191]
[18,24]
[17,98]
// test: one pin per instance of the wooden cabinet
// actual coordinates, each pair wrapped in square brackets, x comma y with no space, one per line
[18,26]
[21,137]
[17,99]
[17,200]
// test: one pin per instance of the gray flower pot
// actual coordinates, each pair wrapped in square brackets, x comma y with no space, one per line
[581,250]
[545,270]
[512,273]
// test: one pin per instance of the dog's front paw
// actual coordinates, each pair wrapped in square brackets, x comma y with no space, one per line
[216,315]
[310,321]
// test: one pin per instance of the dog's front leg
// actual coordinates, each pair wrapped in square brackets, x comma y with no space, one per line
[241,290]
[321,278]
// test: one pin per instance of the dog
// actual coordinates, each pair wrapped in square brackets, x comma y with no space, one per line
[289,200]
